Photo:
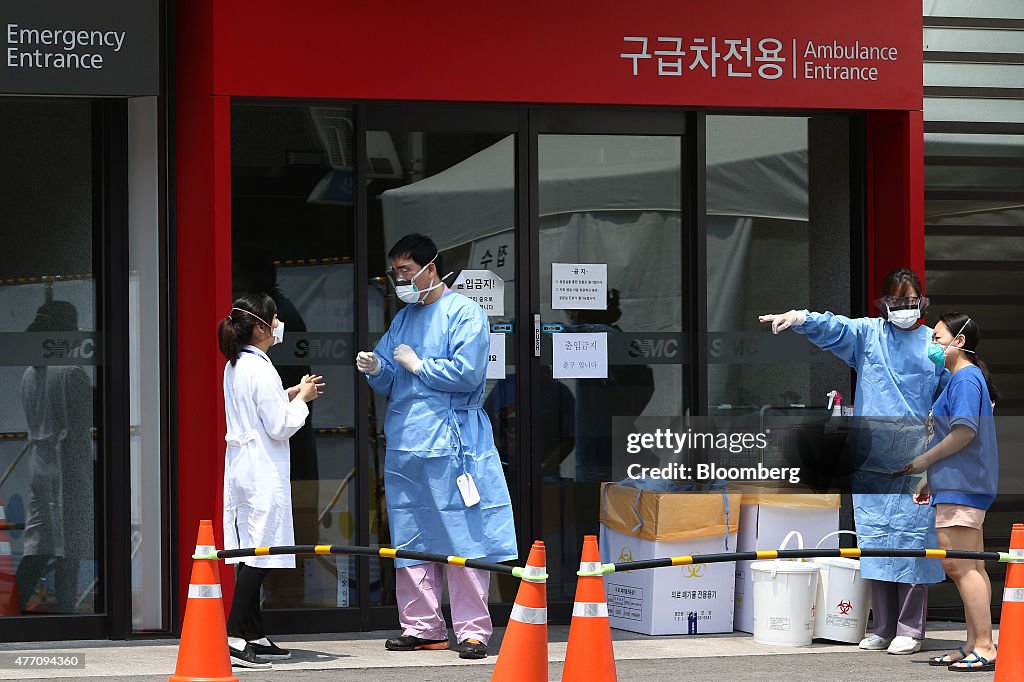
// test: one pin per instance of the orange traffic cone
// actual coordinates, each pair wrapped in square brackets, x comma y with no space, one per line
[9,605]
[524,650]
[1010,661]
[203,652]
[589,656]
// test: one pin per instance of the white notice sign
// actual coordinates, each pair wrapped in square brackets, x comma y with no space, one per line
[496,359]
[580,356]
[579,286]
[484,287]
[495,253]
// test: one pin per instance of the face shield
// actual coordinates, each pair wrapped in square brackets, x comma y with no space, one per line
[902,311]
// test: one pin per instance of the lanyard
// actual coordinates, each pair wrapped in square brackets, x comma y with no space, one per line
[259,355]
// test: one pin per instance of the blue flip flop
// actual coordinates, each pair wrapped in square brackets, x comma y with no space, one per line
[937,660]
[986,666]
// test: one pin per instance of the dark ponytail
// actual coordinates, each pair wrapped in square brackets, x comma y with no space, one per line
[235,330]
[972,336]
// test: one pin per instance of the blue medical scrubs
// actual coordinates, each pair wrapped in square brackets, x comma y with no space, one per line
[896,385]
[436,430]
[971,475]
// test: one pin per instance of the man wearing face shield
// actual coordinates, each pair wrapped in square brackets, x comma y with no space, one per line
[896,385]
[443,483]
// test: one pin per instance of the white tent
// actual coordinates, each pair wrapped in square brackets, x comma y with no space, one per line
[474,198]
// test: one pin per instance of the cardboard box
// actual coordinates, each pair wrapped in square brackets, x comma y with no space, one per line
[675,600]
[766,517]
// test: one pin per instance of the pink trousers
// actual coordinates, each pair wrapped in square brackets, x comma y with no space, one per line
[419,591]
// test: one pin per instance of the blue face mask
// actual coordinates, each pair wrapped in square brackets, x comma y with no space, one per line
[937,352]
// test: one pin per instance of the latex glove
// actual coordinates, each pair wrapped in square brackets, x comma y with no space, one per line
[367,362]
[406,357]
[784,321]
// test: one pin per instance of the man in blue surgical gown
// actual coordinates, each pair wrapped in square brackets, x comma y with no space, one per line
[896,385]
[443,483]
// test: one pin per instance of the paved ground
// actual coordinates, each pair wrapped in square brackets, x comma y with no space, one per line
[357,655]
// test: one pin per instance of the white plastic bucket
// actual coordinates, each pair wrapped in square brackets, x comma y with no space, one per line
[784,599]
[843,599]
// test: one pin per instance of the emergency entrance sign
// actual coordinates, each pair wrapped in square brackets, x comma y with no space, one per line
[484,287]
[579,286]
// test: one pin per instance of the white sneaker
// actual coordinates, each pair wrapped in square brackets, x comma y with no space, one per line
[905,645]
[874,643]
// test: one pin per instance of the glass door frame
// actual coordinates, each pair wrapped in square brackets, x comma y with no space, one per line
[112,404]
[527,123]
[615,121]
[412,117]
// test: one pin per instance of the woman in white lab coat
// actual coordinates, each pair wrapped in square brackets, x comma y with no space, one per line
[261,417]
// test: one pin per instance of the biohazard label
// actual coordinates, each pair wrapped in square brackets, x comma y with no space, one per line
[838,621]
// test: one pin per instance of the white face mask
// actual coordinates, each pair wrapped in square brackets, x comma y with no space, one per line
[277,332]
[408,293]
[905,318]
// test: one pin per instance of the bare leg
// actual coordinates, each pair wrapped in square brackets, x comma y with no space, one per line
[974,586]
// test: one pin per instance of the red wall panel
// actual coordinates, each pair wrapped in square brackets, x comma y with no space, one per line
[895,195]
[203,272]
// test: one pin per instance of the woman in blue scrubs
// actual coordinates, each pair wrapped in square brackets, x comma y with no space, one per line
[963,468]
[896,385]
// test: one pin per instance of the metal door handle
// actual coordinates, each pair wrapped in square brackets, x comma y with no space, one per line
[536,335]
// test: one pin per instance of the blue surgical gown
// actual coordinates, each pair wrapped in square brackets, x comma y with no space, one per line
[436,430]
[896,385]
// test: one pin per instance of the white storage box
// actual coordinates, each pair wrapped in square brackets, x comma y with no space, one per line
[677,600]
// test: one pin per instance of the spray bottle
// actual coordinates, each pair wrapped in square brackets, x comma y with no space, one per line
[836,424]
[835,403]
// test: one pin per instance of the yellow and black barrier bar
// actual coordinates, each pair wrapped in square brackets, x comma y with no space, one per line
[383,552]
[849,553]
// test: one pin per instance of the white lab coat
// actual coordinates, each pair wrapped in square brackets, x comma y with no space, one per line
[257,481]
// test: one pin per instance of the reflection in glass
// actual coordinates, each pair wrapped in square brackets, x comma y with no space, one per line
[293,239]
[49,353]
[146,396]
[778,237]
[59,524]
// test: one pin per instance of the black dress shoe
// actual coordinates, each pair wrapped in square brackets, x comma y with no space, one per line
[271,652]
[412,643]
[247,658]
[473,648]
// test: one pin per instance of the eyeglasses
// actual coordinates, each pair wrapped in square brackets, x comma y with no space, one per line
[403,272]
[901,302]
